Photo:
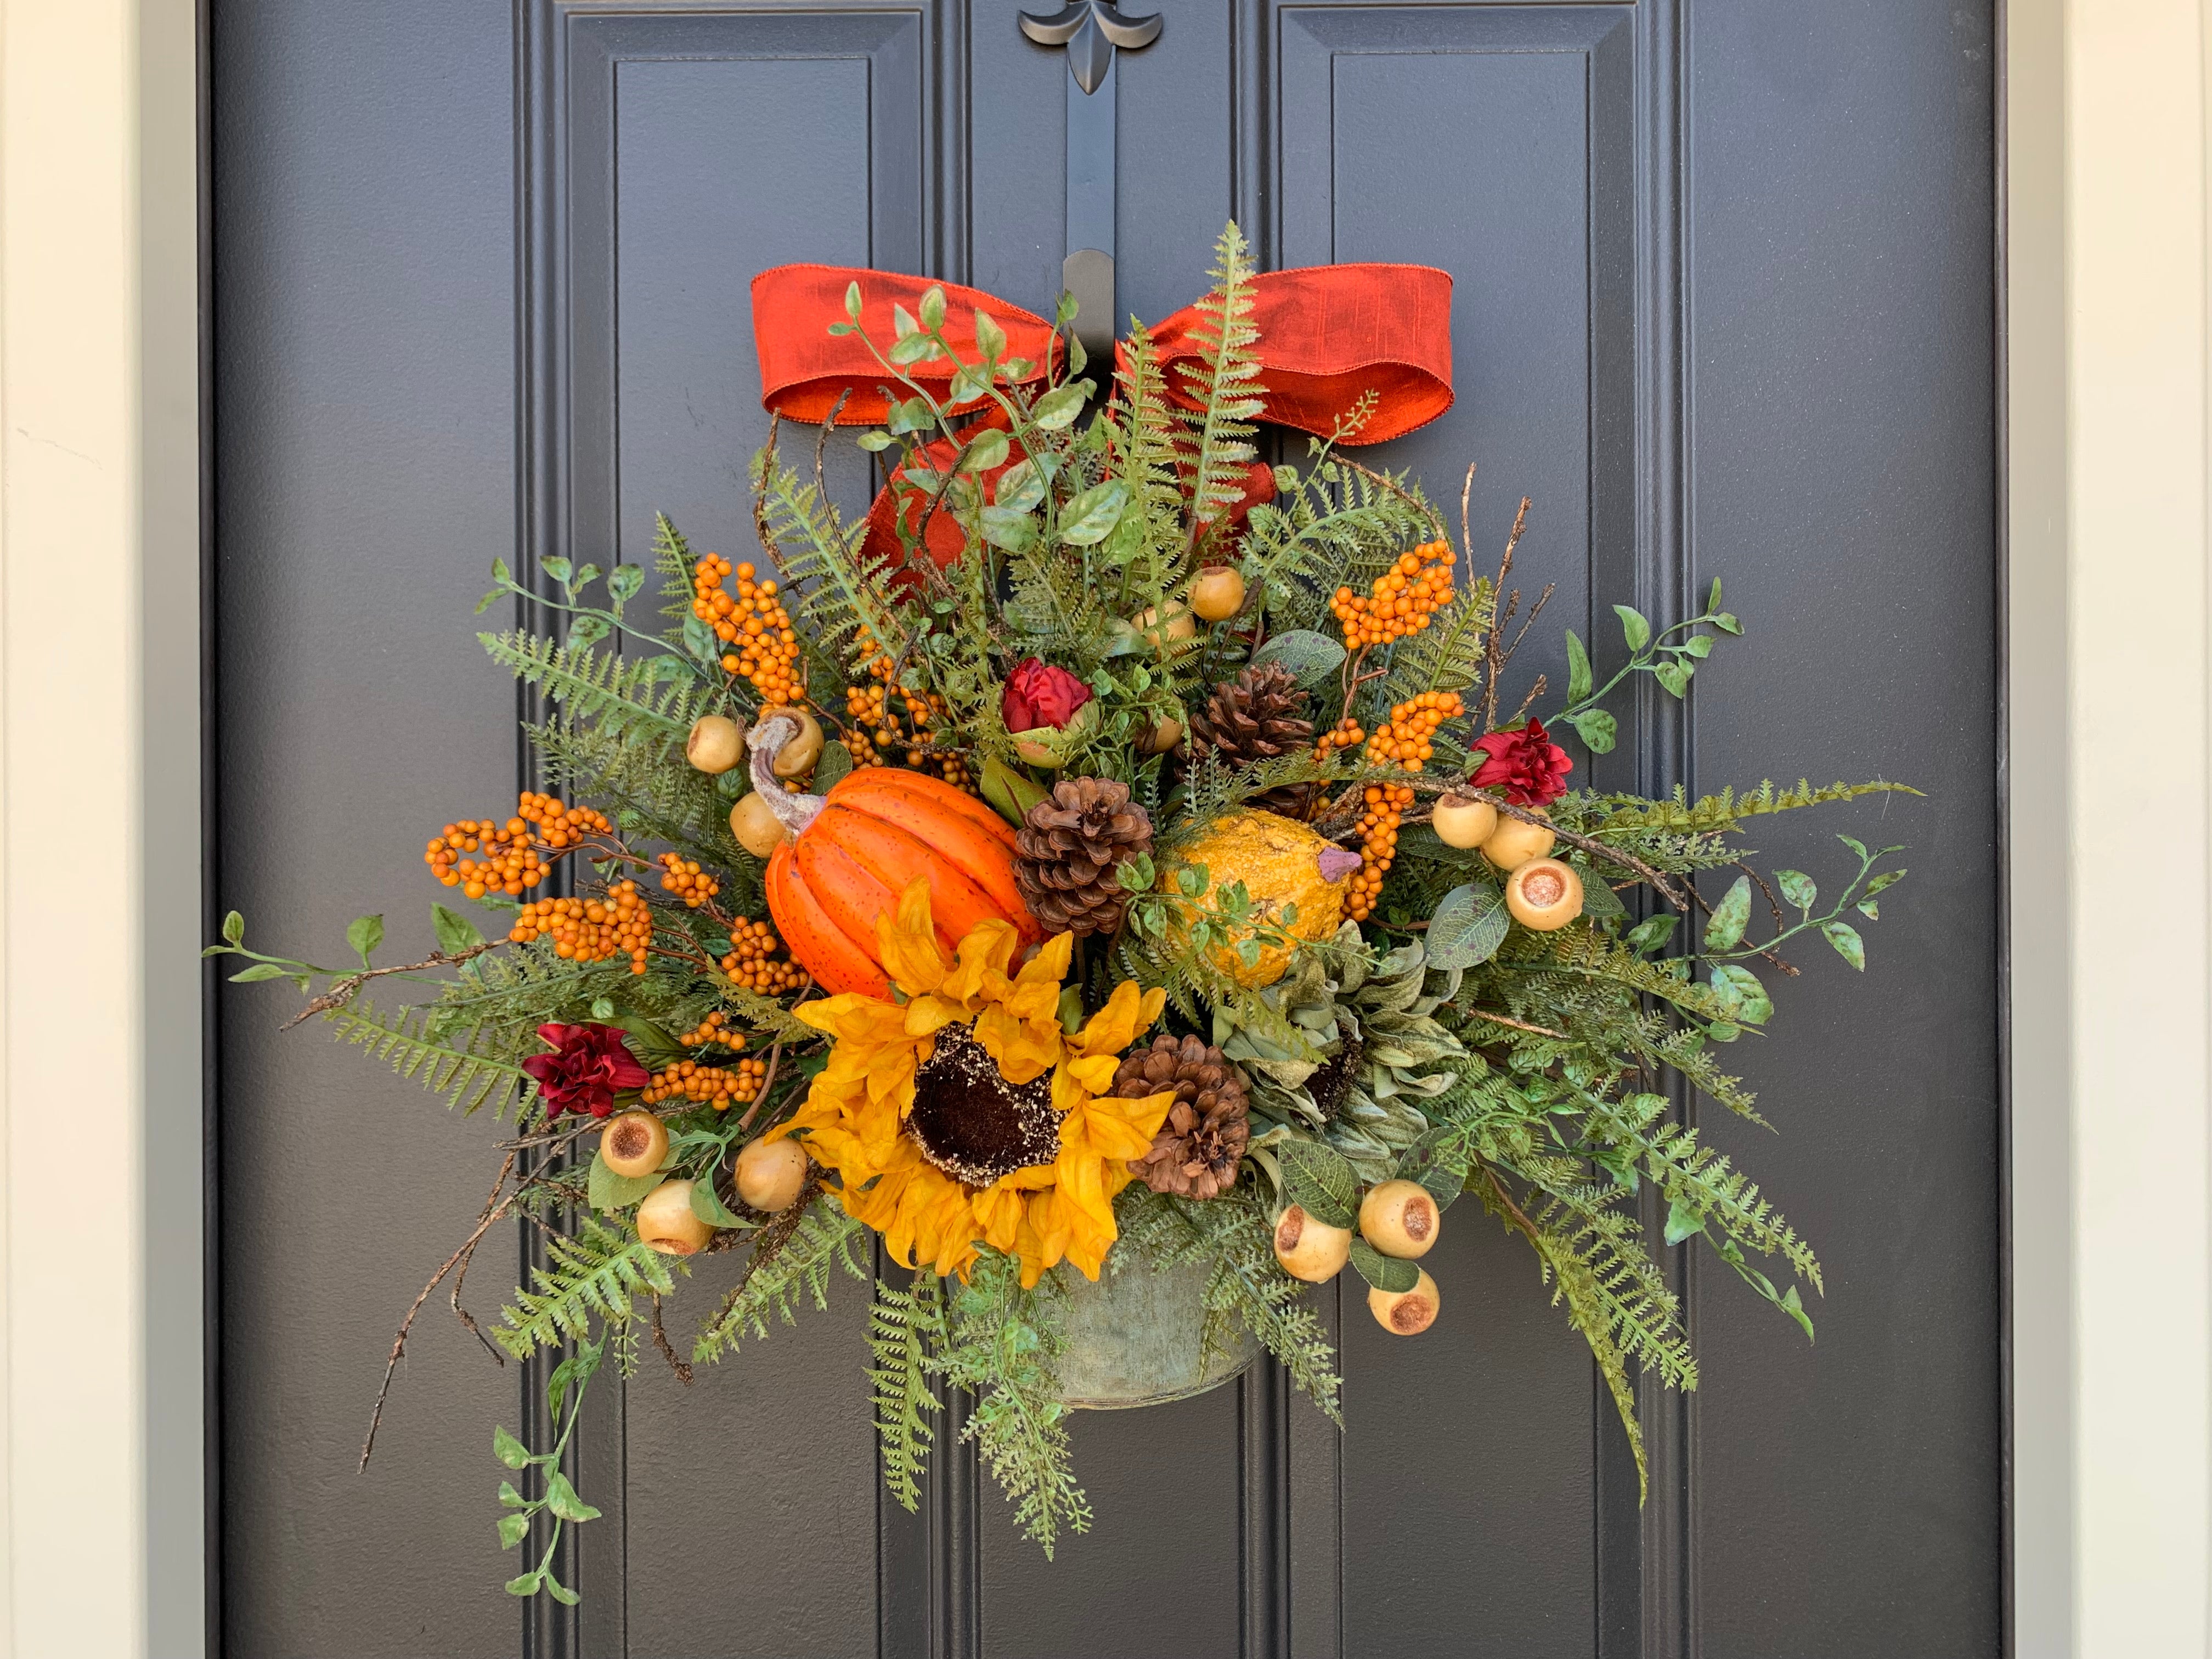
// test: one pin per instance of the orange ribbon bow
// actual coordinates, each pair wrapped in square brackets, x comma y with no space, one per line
[1328,334]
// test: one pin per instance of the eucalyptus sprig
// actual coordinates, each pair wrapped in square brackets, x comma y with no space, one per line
[1669,660]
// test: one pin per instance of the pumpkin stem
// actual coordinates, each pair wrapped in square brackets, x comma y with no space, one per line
[766,740]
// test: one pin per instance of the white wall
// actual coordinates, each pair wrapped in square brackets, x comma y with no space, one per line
[2112,867]
[100,1512]
[2111,780]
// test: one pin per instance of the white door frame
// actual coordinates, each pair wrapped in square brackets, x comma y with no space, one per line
[2110,857]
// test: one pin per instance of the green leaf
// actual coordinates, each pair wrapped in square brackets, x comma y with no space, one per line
[1713,599]
[260,971]
[903,323]
[874,443]
[1652,933]
[1600,902]
[455,932]
[509,1451]
[1010,528]
[1869,909]
[233,929]
[1727,624]
[852,300]
[1797,887]
[1675,676]
[1579,677]
[561,1498]
[1063,311]
[1384,1273]
[607,1191]
[913,414]
[528,1584]
[1059,407]
[911,349]
[624,580]
[1634,627]
[990,338]
[1724,927]
[1091,517]
[1742,997]
[932,308]
[499,573]
[512,1498]
[837,761]
[512,1529]
[1321,1181]
[560,570]
[1468,927]
[588,629]
[1597,729]
[560,1592]
[1021,487]
[1849,945]
[988,450]
[708,1206]
[1880,884]
[969,382]
[1311,657]
[1698,645]
[1009,790]
[1683,1222]
[364,933]
[1438,1163]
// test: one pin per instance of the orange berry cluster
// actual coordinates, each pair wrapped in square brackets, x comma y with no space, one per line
[683,878]
[712,1031]
[1344,733]
[1405,738]
[718,1086]
[752,961]
[874,735]
[591,929]
[1402,599]
[1386,805]
[514,851]
[755,623]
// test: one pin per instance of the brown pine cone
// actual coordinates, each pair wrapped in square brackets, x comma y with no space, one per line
[1195,1153]
[1257,716]
[1067,850]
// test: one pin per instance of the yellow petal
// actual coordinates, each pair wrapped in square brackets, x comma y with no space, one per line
[1049,964]
[1113,1027]
[907,945]
[1024,1051]
[931,1013]
[984,954]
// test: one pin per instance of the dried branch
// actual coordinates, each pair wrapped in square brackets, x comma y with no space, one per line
[344,991]
[660,1341]
[1493,651]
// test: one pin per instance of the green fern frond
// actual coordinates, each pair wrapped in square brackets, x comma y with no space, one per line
[1227,389]
[457,1069]
[1604,815]
[597,1273]
[841,589]
[906,1331]
[619,694]
[823,1244]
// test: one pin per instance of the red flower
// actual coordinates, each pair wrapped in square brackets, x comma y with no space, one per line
[1039,694]
[588,1065]
[1526,764]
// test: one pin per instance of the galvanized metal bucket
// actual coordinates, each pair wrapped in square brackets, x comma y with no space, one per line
[1136,1337]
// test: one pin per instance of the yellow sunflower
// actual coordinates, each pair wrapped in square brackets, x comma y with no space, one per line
[937,1116]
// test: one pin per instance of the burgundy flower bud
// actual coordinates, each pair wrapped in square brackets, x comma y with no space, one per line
[1527,765]
[588,1066]
[1039,694]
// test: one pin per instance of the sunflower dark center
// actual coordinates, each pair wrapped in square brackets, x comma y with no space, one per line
[972,1124]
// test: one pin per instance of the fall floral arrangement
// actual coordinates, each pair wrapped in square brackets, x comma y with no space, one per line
[1113,860]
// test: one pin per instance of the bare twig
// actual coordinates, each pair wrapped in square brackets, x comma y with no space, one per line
[1494,650]
[761,531]
[822,443]
[495,1208]
[1517,1024]
[344,991]
[1535,692]
[1663,884]
[660,1341]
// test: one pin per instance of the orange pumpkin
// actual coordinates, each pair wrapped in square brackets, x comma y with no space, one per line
[853,851]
